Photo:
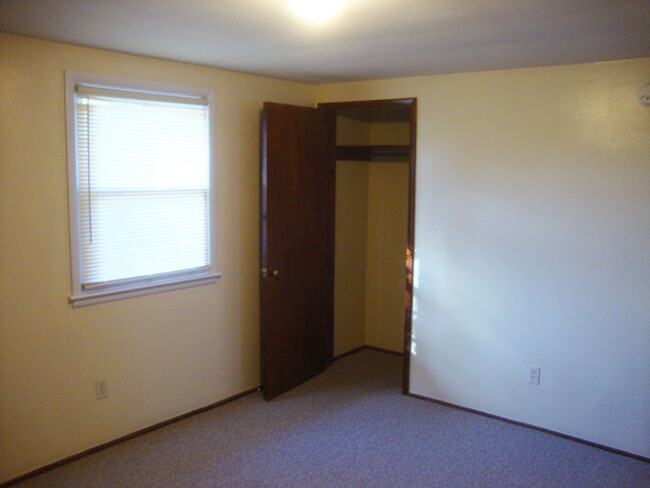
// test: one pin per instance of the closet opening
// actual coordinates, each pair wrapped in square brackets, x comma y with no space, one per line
[374,226]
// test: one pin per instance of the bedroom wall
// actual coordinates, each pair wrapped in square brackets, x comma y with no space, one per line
[386,254]
[351,236]
[388,186]
[371,222]
[532,237]
[163,355]
[532,244]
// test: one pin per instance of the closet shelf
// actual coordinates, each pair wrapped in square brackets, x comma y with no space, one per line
[371,153]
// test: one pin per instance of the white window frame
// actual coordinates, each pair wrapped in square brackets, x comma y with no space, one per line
[157,284]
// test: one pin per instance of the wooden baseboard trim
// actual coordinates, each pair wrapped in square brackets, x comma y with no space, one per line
[124,438]
[349,353]
[534,427]
[387,351]
[364,347]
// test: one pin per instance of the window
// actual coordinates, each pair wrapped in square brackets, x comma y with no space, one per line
[139,164]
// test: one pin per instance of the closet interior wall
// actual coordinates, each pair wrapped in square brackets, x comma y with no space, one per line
[370,239]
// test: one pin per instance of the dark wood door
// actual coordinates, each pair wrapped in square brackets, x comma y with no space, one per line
[296,244]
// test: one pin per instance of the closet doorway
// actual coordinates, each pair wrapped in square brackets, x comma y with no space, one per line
[371,145]
[374,225]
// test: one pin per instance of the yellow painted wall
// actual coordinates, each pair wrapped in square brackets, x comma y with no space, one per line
[387,228]
[532,237]
[532,232]
[351,132]
[350,255]
[389,133]
[386,255]
[351,221]
[371,221]
[163,354]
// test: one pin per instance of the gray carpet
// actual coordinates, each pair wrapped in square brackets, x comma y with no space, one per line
[350,427]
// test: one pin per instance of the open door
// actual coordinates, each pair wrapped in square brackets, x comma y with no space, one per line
[296,244]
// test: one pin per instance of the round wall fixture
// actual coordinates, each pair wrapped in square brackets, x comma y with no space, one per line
[644,94]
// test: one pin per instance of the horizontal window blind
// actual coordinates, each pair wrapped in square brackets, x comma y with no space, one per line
[142,185]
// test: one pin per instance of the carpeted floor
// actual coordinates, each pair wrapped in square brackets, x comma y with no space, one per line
[350,427]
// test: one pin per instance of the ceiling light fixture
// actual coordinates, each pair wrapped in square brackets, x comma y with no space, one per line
[316,10]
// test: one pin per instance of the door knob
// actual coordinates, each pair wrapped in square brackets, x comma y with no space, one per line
[274,274]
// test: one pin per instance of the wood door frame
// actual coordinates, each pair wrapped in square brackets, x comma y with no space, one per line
[411,103]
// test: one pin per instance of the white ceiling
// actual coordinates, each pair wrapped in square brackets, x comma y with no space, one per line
[368,39]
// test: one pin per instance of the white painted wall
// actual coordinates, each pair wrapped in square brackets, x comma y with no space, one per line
[533,244]
[163,355]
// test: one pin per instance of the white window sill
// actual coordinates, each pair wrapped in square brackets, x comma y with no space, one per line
[91,298]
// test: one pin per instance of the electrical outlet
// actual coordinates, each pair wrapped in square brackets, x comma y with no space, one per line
[533,375]
[101,389]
